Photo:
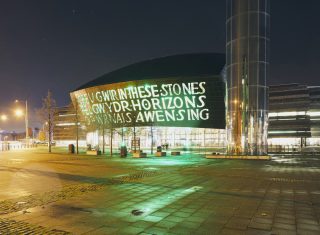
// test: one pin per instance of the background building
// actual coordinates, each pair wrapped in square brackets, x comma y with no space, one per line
[294,117]
[65,127]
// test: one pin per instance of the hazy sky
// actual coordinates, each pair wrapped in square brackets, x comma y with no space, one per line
[62,44]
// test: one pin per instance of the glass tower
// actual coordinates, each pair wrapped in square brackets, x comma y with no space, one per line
[247,70]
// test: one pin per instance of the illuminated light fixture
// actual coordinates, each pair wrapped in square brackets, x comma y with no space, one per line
[4,117]
[66,115]
[287,132]
[66,124]
[286,114]
[18,112]
[313,114]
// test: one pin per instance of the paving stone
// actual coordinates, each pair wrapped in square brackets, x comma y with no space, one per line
[238,223]
[130,230]
[160,214]
[284,221]
[180,229]
[103,230]
[151,218]
[229,231]
[308,227]
[181,214]
[262,220]
[284,226]
[157,230]
[307,221]
[166,224]
[174,218]
[279,231]
[307,232]
[252,231]
[260,226]
[285,216]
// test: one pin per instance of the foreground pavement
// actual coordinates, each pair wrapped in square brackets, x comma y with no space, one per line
[45,193]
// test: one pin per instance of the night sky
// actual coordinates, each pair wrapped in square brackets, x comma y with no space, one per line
[62,44]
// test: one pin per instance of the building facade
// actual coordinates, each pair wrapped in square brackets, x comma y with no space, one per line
[65,129]
[177,102]
[294,117]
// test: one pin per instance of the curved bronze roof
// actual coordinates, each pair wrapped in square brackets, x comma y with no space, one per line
[188,65]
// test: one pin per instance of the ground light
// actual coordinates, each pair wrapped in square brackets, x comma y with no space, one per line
[164,200]
[20,113]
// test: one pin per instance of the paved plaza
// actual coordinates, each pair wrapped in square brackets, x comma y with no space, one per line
[58,193]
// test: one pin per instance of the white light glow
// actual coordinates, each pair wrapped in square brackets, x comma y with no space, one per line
[18,112]
[296,113]
[313,114]
[66,115]
[4,117]
[66,124]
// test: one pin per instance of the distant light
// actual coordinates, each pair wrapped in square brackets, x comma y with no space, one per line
[66,124]
[18,112]
[4,117]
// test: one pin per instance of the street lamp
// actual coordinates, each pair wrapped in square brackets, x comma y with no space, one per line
[19,113]
[4,117]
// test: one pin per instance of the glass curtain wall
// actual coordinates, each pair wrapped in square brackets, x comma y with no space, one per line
[247,72]
[195,140]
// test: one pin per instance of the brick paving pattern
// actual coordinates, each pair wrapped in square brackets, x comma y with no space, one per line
[174,195]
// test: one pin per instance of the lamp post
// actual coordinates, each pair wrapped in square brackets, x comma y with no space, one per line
[3,118]
[20,113]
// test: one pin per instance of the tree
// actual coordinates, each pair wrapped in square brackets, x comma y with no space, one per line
[135,141]
[77,123]
[47,113]
[107,122]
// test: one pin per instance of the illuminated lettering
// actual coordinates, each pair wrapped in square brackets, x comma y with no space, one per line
[160,116]
[122,94]
[178,102]
[99,96]
[97,108]
[105,95]
[170,115]
[180,115]
[176,89]
[125,106]
[116,107]
[202,103]
[154,91]
[136,105]
[190,102]
[146,103]
[142,92]
[187,88]
[149,116]
[201,86]
[204,114]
